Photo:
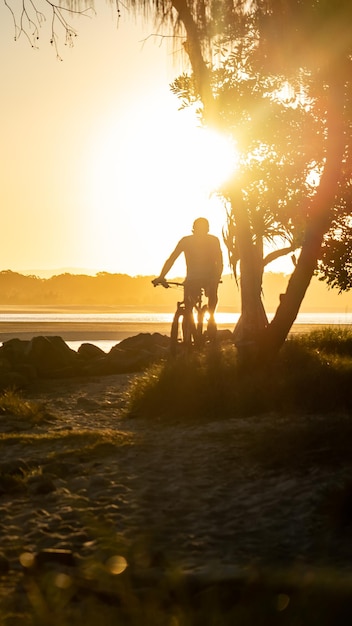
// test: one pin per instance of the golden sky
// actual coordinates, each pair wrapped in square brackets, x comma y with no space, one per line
[99,169]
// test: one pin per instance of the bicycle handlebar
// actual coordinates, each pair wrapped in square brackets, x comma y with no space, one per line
[167,283]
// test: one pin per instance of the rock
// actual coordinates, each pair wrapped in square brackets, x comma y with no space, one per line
[144,341]
[12,380]
[5,365]
[120,361]
[51,356]
[15,351]
[98,367]
[90,351]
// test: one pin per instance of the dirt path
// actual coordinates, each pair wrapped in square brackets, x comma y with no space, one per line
[196,497]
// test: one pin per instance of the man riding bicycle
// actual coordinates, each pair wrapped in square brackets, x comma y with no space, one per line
[204,265]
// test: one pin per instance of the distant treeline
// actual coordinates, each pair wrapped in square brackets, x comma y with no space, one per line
[121,290]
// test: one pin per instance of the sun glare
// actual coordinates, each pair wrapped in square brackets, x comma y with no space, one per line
[169,170]
[214,157]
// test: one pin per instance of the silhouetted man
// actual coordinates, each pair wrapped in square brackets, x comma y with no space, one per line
[204,265]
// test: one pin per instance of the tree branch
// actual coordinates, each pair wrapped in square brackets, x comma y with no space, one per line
[29,20]
[277,254]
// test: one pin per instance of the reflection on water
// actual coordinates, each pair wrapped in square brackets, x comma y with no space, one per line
[156,318]
[227,320]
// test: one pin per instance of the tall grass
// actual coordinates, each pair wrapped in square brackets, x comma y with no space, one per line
[313,372]
[13,405]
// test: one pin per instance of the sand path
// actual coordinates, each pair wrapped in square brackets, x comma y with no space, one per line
[195,496]
[202,498]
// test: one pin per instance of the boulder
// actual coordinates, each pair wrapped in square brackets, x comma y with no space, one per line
[145,341]
[120,361]
[51,356]
[21,361]
[14,351]
[12,380]
[89,351]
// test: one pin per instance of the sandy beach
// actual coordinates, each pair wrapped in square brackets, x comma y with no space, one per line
[192,497]
[90,485]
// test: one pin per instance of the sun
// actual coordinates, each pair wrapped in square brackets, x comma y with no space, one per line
[152,174]
[214,157]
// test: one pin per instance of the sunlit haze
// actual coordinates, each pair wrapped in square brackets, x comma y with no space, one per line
[99,168]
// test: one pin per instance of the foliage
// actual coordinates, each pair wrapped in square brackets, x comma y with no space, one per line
[282,88]
[312,373]
[335,265]
[277,122]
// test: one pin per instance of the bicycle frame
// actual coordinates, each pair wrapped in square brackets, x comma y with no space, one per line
[190,332]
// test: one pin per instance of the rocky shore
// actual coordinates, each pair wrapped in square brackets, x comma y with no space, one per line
[24,360]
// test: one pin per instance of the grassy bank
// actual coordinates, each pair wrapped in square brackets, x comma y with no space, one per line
[312,374]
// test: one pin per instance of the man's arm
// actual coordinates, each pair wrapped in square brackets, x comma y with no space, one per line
[169,263]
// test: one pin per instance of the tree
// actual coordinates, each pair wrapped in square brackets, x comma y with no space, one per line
[288,43]
[243,55]
[311,26]
[317,75]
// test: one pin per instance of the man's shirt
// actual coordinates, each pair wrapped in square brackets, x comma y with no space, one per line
[203,257]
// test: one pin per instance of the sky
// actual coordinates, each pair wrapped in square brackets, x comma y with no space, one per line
[99,169]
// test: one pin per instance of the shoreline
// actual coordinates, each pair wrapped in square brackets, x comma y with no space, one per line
[90,332]
[78,331]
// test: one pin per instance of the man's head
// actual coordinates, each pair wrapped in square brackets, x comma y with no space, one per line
[200,226]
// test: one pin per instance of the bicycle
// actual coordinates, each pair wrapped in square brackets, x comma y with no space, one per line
[187,330]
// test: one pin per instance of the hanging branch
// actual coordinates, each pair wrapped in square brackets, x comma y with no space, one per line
[29,21]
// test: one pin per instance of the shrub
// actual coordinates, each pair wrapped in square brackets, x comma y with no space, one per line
[312,373]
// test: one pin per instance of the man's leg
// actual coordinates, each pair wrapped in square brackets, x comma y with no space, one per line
[212,294]
[188,322]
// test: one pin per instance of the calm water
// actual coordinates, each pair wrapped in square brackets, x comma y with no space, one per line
[156,318]
[152,319]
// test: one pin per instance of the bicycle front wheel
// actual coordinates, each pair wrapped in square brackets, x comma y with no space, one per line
[189,330]
[200,337]
[176,330]
[183,331]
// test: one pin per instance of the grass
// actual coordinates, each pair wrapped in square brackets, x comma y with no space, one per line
[27,454]
[312,373]
[310,380]
[28,411]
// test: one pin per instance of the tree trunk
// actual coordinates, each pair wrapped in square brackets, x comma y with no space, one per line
[200,69]
[253,319]
[319,219]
